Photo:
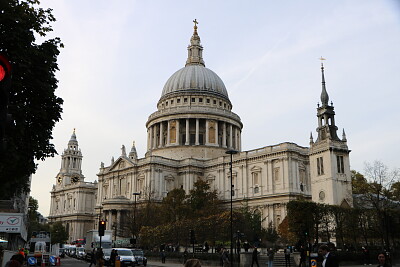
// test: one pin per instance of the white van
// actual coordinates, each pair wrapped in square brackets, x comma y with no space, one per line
[126,257]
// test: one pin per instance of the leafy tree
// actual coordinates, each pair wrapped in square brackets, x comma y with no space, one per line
[378,196]
[58,233]
[202,201]
[358,182]
[32,102]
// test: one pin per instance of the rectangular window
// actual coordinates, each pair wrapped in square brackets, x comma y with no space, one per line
[185,100]
[193,99]
[320,166]
[340,164]
[201,100]
[166,103]
[208,101]
[172,101]
[178,100]
[215,102]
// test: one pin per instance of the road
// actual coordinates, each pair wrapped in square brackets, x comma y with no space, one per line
[72,262]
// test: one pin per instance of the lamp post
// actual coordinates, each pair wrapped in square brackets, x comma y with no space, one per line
[231,152]
[134,215]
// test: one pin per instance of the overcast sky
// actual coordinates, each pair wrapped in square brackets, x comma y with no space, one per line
[119,54]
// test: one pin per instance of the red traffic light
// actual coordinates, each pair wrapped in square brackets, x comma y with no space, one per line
[5,67]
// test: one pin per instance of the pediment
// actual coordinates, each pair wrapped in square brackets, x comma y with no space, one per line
[256,169]
[120,164]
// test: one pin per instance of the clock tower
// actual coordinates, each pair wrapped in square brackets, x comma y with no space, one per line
[72,199]
[71,163]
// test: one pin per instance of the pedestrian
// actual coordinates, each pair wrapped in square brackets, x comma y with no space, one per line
[193,263]
[113,257]
[225,258]
[13,262]
[185,256]
[382,260]
[330,259]
[270,255]
[93,257]
[246,246]
[254,257]
[302,256]
[99,258]
[163,256]
[365,251]
[287,256]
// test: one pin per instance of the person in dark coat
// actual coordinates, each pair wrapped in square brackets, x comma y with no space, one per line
[303,256]
[330,259]
[113,257]
[93,258]
[254,257]
[287,257]
[382,260]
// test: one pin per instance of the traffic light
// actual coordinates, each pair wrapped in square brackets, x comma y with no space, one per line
[5,82]
[192,237]
[102,227]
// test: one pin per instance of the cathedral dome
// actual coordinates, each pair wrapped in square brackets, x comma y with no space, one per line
[195,78]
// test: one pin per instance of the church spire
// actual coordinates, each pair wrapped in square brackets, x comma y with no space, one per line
[133,153]
[195,50]
[324,93]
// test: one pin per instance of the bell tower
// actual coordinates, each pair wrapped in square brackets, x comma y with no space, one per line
[329,157]
[71,163]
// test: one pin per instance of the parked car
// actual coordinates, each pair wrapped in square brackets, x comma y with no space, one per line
[139,256]
[80,253]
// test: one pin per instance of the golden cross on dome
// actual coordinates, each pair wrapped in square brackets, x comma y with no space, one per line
[195,22]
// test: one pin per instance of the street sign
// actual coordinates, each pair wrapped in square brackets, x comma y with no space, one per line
[11,222]
[314,263]
[52,260]
[32,261]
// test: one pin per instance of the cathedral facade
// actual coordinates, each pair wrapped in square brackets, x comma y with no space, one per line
[187,139]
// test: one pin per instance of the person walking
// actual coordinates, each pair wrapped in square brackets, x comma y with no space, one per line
[99,258]
[93,258]
[270,255]
[254,257]
[113,257]
[287,256]
[163,256]
[225,258]
[302,256]
[330,259]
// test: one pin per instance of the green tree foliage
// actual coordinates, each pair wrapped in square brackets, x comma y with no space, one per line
[58,233]
[33,215]
[32,102]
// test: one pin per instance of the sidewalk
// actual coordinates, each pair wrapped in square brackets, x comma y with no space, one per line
[174,264]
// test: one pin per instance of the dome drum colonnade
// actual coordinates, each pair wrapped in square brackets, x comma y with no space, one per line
[194,113]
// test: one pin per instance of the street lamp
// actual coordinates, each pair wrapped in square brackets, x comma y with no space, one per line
[134,215]
[231,152]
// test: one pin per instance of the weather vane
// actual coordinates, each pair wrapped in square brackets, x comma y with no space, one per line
[322,60]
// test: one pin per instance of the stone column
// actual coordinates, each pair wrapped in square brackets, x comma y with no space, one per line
[224,134]
[109,223]
[187,133]
[197,132]
[154,136]
[240,140]
[207,133]
[168,133]
[151,137]
[161,135]
[177,132]
[216,134]
[118,222]
[148,139]
[231,136]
